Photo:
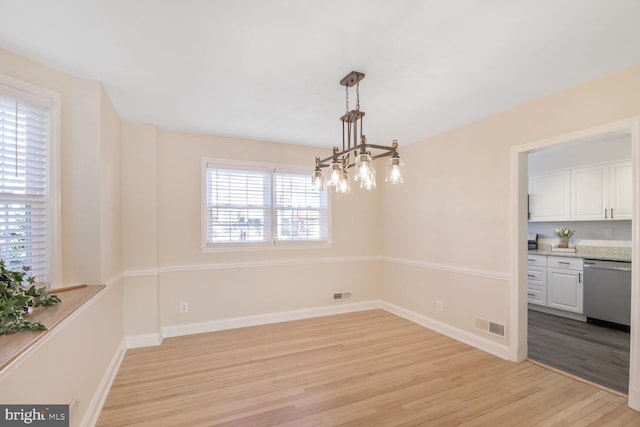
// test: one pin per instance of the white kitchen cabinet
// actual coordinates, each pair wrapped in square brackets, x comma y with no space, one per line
[549,196]
[620,190]
[589,193]
[537,295]
[564,284]
[601,192]
[537,279]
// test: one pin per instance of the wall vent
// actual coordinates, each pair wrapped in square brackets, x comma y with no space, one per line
[343,295]
[493,328]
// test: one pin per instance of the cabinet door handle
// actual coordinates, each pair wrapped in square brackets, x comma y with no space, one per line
[611,213]
[579,277]
[605,213]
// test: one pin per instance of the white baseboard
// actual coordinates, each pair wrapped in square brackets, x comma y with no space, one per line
[634,399]
[500,350]
[95,407]
[263,319]
[145,340]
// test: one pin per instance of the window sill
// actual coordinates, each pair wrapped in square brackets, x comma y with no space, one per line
[13,345]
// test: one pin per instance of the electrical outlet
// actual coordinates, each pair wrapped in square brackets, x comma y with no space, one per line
[440,305]
[184,307]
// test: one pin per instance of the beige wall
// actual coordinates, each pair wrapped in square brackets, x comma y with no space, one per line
[72,363]
[110,192]
[140,232]
[452,216]
[82,349]
[164,262]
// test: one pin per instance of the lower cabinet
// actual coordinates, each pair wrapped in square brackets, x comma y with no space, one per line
[564,289]
[555,282]
[537,294]
[537,279]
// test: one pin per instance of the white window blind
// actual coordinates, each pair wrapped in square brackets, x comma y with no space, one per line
[261,205]
[24,138]
[237,206]
[300,210]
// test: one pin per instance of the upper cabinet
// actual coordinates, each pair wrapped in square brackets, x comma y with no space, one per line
[589,193]
[620,190]
[549,196]
[593,193]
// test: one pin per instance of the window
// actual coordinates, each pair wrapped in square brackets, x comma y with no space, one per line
[26,123]
[260,205]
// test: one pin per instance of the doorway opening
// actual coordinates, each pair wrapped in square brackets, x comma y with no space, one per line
[629,129]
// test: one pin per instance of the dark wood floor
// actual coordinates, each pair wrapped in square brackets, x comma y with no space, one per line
[592,352]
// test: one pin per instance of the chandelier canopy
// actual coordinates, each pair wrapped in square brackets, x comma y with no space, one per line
[356,152]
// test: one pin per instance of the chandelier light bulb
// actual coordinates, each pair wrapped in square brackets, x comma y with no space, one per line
[363,167]
[394,171]
[344,186]
[369,181]
[335,174]
[317,179]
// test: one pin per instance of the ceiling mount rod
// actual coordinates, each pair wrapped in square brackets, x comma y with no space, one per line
[352,79]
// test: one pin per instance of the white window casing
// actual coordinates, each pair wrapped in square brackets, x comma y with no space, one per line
[247,206]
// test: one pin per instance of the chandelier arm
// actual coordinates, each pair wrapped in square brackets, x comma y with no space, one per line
[382,155]
[379,147]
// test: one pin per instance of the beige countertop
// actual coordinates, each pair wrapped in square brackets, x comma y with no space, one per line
[613,253]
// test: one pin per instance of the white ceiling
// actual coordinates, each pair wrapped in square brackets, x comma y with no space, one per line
[269,69]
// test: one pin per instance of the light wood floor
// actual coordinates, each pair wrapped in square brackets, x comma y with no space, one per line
[368,368]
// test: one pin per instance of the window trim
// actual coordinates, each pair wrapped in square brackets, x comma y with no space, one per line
[254,246]
[52,100]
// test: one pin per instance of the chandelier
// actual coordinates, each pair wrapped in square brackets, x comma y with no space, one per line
[356,152]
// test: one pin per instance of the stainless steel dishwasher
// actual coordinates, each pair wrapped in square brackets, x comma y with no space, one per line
[607,291]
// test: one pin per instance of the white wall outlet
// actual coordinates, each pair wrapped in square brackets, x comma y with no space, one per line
[608,233]
[184,307]
[440,305]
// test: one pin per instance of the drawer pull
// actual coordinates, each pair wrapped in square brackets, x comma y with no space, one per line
[530,294]
[531,260]
[531,275]
[563,262]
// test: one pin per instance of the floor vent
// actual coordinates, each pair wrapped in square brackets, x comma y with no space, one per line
[343,295]
[493,328]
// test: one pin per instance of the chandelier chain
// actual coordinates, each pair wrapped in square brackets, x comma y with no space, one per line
[358,95]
